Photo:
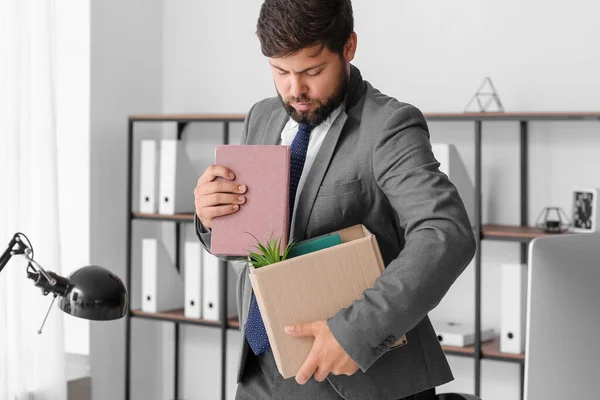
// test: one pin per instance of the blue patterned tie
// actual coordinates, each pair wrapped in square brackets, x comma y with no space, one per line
[256,335]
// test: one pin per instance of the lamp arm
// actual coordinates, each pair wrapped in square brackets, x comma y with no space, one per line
[15,246]
[47,281]
[40,269]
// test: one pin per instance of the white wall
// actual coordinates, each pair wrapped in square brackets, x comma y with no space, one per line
[435,55]
[126,78]
[73,144]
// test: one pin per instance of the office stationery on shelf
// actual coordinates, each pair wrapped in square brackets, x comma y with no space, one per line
[453,166]
[178,179]
[162,286]
[193,279]
[148,177]
[265,170]
[513,298]
[211,299]
[314,286]
[458,334]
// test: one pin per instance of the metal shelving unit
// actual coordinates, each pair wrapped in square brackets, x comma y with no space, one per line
[522,234]
[176,316]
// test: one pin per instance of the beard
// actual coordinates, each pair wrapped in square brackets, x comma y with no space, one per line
[324,109]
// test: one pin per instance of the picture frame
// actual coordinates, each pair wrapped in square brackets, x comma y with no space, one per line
[585,216]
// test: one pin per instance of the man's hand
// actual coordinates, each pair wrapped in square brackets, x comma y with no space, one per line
[216,198]
[326,355]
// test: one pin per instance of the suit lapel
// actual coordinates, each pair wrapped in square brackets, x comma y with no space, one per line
[274,127]
[356,89]
[316,175]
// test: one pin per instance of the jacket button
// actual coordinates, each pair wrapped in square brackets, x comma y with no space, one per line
[392,339]
[381,348]
[376,352]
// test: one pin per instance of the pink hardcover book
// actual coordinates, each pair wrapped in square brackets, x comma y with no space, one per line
[265,170]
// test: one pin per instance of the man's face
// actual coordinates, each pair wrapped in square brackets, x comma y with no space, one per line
[311,87]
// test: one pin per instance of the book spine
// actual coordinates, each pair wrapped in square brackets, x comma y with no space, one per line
[286,199]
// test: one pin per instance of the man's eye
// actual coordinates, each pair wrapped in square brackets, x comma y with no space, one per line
[282,73]
[314,73]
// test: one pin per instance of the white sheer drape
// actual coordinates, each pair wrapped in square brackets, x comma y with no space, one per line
[32,366]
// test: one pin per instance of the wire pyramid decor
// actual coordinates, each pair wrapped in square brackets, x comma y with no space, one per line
[486,98]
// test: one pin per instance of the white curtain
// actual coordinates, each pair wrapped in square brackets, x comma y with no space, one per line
[32,366]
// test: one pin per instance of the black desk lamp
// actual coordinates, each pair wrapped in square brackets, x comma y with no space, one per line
[91,292]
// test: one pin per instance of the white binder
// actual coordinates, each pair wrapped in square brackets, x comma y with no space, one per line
[459,335]
[211,270]
[148,177]
[193,280]
[452,165]
[514,297]
[162,286]
[178,179]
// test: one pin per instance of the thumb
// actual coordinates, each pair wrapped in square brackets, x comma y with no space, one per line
[300,330]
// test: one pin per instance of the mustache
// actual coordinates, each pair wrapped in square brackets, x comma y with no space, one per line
[301,99]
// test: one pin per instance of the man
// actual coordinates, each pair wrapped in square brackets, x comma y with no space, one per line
[364,158]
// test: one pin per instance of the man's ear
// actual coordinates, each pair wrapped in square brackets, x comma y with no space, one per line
[350,47]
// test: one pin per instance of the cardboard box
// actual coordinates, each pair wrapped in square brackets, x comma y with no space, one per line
[313,287]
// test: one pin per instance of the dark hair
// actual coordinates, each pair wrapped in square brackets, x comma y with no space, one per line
[285,27]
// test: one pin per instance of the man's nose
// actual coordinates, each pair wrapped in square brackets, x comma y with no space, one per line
[297,87]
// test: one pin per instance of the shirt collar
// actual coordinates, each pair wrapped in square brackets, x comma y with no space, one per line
[327,123]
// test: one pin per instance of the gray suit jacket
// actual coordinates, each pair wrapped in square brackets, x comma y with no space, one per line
[376,167]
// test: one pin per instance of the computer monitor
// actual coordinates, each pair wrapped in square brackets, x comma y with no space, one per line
[563,318]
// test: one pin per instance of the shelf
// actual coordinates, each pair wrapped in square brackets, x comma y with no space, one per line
[173,316]
[513,233]
[490,350]
[179,316]
[489,232]
[473,116]
[233,323]
[188,118]
[515,116]
[187,217]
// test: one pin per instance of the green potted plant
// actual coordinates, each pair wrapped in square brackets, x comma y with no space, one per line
[269,253]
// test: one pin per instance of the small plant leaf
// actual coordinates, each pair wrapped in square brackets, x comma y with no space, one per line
[268,253]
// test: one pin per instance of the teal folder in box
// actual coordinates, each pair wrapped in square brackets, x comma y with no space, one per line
[314,244]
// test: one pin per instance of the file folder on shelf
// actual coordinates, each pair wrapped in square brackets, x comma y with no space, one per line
[211,299]
[265,170]
[148,177]
[514,300]
[178,179]
[453,166]
[193,279]
[162,286]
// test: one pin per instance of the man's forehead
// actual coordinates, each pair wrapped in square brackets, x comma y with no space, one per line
[303,60]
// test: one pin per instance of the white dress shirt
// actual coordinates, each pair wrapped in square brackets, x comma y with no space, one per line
[316,140]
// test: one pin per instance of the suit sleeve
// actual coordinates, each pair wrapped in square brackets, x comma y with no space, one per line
[202,232]
[439,241]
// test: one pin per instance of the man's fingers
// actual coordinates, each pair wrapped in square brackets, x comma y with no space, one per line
[214,171]
[307,370]
[218,199]
[220,187]
[300,330]
[209,213]
[321,374]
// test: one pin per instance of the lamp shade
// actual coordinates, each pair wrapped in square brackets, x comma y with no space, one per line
[94,293]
